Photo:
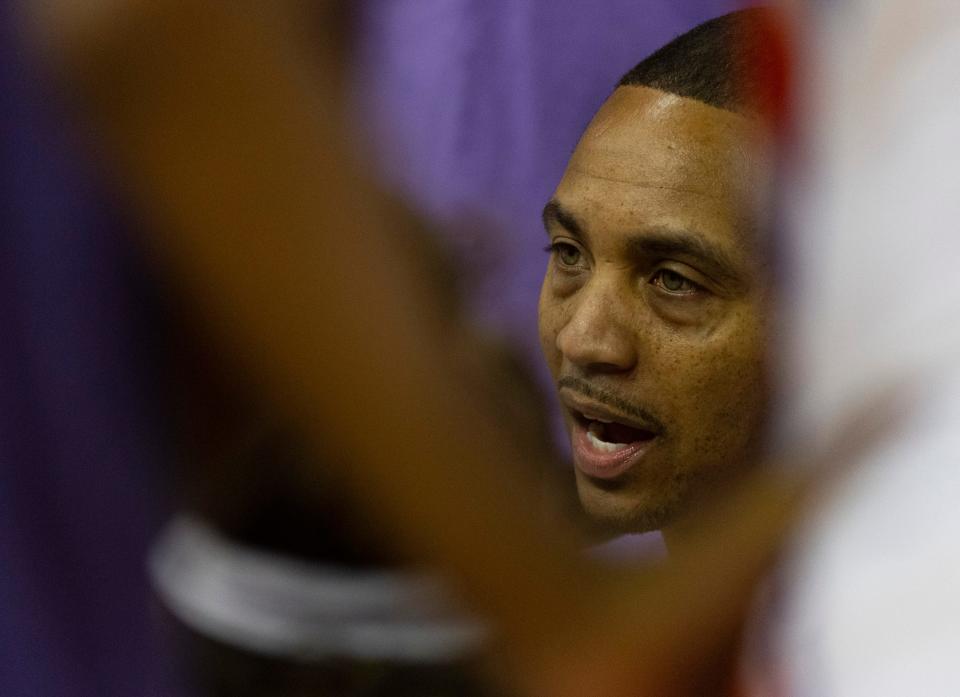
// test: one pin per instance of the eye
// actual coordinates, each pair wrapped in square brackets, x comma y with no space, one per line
[672,282]
[566,253]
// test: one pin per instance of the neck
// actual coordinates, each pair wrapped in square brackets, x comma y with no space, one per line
[674,536]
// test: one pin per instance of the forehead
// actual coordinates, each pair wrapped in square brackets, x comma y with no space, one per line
[650,157]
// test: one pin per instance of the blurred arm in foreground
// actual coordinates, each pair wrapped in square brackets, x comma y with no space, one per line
[225,124]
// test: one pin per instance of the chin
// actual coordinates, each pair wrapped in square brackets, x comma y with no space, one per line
[623,512]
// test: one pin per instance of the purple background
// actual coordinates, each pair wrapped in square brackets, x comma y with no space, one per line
[474,106]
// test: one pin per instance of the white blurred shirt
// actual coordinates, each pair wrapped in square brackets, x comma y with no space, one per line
[871,605]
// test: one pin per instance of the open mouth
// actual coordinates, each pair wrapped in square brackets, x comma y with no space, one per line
[606,449]
[610,436]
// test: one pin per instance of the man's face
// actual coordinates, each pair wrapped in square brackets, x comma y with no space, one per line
[653,306]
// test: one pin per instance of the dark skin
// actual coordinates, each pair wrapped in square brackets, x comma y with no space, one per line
[654,304]
[255,245]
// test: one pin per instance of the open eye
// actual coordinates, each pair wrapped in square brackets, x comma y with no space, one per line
[673,282]
[567,254]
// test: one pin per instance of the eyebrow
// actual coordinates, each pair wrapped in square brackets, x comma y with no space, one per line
[687,245]
[554,212]
[660,242]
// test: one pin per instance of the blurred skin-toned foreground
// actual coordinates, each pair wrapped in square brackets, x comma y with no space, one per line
[223,121]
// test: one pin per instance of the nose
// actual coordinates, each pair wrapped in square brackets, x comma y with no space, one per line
[598,336]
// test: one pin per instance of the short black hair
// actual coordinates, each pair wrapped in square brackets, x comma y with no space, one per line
[721,62]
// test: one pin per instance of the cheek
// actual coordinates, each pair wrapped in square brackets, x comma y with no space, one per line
[722,382]
[728,397]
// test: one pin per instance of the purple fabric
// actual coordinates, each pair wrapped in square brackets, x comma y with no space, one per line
[476,106]
[78,492]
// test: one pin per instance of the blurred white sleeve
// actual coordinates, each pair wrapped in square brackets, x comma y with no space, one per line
[873,603]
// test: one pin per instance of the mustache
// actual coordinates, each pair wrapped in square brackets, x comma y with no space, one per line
[607,398]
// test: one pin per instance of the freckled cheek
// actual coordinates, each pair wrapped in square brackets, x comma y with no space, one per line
[701,386]
[727,400]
